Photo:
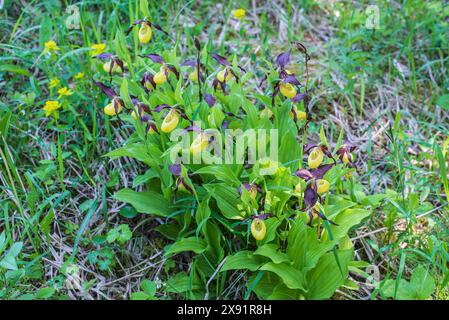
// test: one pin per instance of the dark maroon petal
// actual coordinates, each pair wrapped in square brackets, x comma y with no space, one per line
[309,146]
[189,62]
[173,69]
[175,169]
[319,172]
[275,92]
[291,79]
[161,107]
[304,174]
[155,58]
[110,92]
[197,44]
[322,216]
[310,196]
[104,56]
[193,128]
[283,59]
[234,74]
[150,126]
[210,99]
[299,97]
[145,118]
[132,26]
[158,27]
[220,59]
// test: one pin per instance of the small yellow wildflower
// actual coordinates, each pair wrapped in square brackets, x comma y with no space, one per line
[98,48]
[51,106]
[50,46]
[64,92]
[79,75]
[239,13]
[53,83]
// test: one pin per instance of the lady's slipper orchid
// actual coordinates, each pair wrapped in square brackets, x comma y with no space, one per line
[116,105]
[225,74]
[199,143]
[315,158]
[252,188]
[170,121]
[145,32]
[258,229]
[113,108]
[181,185]
[162,75]
[148,82]
[345,155]
[111,64]
[322,186]
[195,74]
[298,115]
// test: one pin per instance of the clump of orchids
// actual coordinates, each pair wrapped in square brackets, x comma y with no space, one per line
[162,119]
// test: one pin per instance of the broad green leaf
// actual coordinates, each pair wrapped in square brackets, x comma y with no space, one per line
[180,283]
[422,283]
[226,198]
[243,260]
[272,252]
[326,278]
[145,202]
[297,244]
[345,221]
[292,278]
[187,244]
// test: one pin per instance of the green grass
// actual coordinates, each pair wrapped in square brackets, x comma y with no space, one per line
[384,87]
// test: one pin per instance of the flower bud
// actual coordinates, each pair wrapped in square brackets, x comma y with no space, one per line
[316,157]
[258,229]
[266,113]
[322,186]
[170,122]
[288,90]
[145,33]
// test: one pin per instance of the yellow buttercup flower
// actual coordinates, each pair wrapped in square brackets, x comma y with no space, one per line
[97,49]
[50,46]
[79,76]
[64,92]
[51,106]
[53,83]
[239,13]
